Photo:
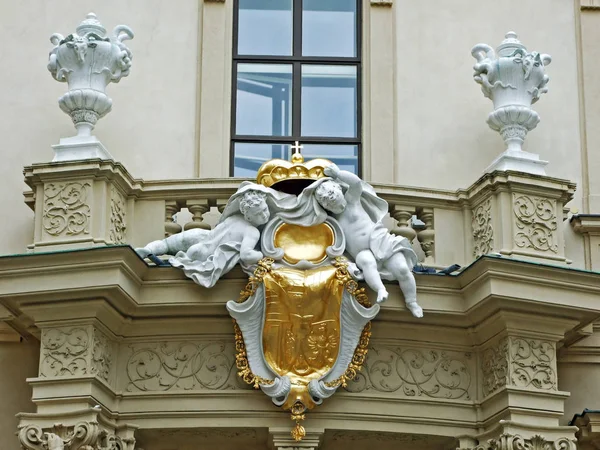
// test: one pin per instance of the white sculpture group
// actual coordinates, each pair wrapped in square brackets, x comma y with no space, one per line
[206,255]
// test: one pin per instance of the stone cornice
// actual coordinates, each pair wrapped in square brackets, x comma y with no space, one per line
[590,5]
[113,285]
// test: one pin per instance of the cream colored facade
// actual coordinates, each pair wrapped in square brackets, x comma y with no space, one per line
[509,346]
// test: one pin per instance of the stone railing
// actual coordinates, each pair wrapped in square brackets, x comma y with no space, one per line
[80,204]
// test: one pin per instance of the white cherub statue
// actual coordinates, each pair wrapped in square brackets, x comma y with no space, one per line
[206,255]
[377,253]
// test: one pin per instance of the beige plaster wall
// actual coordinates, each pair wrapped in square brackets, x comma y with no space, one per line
[443,140]
[18,361]
[154,108]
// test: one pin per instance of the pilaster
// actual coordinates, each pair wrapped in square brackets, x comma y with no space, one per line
[518,370]
[588,225]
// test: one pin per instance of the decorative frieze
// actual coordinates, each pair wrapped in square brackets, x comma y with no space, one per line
[118,213]
[519,362]
[535,223]
[516,442]
[66,208]
[483,231]
[189,366]
[414,372]
[76,351]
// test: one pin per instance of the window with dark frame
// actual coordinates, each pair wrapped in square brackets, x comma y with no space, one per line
[296,77]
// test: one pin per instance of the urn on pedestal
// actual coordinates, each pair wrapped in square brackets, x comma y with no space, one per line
[88,60]
[513,79]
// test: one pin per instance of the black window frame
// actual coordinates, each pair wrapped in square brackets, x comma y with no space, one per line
[297,60]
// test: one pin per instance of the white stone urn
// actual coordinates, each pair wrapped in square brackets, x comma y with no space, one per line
[88,61]
[513,79]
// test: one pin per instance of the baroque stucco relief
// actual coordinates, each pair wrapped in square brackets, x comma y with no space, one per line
[519,362]
[76,351]
[66,208]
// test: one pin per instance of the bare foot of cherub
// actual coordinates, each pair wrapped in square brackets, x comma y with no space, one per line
[382,295]
[415,309]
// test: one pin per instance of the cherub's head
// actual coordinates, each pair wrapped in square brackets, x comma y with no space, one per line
[330,196]
[253,206]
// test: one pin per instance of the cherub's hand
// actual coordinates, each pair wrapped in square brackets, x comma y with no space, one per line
[143,252]
[251,257]
[332,171]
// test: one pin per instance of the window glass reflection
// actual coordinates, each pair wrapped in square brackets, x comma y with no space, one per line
[329,101]
[329,28]
[248,157]
[264,99]
[265,27]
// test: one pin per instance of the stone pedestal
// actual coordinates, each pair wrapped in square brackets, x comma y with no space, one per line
[80,147]
[80,204]
[519,215]
[519,161]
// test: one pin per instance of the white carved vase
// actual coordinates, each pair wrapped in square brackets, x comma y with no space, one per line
[88,60]
[513,79]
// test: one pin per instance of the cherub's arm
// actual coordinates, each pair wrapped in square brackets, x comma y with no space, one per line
[247,253]
[354,183]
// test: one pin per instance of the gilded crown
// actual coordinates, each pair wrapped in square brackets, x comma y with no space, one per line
[276,173]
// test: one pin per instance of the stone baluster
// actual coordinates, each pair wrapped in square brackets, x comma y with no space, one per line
[403,215]
[221,203]
[198,208]
[171,227]
[426,235]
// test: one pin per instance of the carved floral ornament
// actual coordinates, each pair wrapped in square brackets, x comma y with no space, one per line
[81,436]
[76,351]
[118,224]
[520,362]
[66,208]
[483,231]
[516,442]
[535,222]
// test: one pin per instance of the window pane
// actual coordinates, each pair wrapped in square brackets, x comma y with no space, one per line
[345,156]
[248,157]
[264,99]
[329,28]
[329,101]
[265,27]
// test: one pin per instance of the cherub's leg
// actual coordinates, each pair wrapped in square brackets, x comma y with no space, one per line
[367,263]
[399,269]
[197,252]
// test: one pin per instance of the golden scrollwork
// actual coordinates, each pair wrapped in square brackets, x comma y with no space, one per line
[241,361]
[262,269]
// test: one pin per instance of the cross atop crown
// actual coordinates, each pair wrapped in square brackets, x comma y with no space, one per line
[297,157]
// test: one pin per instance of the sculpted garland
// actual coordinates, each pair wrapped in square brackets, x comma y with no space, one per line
[306,234]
